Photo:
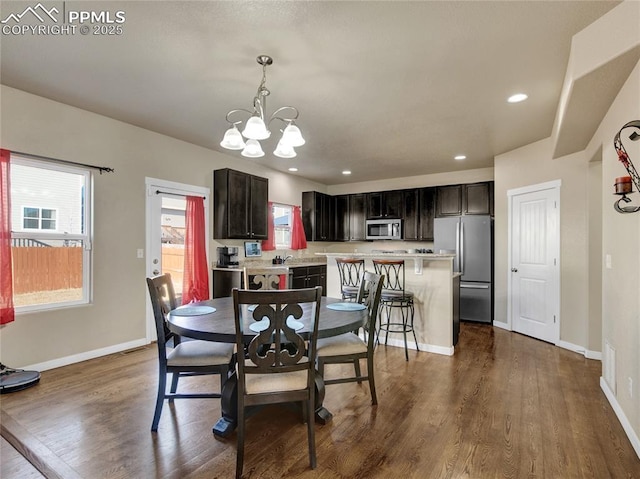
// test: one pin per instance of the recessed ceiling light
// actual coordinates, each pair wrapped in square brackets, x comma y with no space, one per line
[517,98]
[460,157]
[346,172]
[293,169]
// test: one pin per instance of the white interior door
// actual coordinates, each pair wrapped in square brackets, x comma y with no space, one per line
[165,229]
[534,245]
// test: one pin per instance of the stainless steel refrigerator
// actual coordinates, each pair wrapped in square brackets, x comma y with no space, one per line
[470,238]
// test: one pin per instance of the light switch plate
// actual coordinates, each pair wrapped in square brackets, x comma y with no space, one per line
[140,253]
[607,261]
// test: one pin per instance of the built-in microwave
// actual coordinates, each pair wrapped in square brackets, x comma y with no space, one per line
[386,229]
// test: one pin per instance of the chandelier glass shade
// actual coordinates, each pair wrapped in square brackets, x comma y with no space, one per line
[256,126]
[252,149]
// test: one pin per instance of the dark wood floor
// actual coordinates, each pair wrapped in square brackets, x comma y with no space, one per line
[504,406]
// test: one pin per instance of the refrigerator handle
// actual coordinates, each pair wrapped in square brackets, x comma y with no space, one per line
[461,226]
[458,255]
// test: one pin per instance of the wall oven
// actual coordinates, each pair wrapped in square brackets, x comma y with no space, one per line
[386,229]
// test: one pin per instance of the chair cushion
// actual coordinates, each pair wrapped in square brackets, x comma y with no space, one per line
[200,353]
[394,294]
[348,343]
[350,290]
[271,383]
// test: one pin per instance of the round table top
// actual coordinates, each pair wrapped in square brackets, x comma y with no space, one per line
[220,326]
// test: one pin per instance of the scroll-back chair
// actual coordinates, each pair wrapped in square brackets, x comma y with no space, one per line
[395,298]
[189,358]
[274,277]
[349,347]
[270,372]
[350,271]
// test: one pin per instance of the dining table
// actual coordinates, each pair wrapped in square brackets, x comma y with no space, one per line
[213,320]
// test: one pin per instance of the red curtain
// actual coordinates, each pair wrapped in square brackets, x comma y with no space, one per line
[7,313]
[270,243]
[298,238]
[195,285]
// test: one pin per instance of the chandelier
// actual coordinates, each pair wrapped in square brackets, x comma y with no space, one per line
[256,126]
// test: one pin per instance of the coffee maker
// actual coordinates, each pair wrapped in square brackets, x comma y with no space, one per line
[227,257]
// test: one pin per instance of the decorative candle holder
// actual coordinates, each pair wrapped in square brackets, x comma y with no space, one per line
[623,185]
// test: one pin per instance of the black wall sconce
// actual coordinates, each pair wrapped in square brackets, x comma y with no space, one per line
[623,184]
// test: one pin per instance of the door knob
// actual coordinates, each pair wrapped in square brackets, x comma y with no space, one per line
[155,272]
[514,270]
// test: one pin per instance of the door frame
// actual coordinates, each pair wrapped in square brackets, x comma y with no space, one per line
[549,185]
[151,186]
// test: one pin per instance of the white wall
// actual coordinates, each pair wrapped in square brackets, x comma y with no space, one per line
[530,165]
[116,316]
[621,240]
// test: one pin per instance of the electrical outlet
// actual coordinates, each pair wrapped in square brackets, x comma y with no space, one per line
[630,387]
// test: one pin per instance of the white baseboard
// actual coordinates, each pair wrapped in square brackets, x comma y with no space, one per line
[76,358]
[501,325]
[429,348]
[580,350]
[626,425]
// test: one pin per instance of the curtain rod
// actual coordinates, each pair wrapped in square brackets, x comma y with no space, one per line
[102,169]
[158,192]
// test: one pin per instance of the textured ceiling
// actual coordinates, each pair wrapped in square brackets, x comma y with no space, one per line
[385,89]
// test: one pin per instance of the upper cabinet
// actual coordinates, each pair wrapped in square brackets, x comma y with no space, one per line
[350,217]
[385,204]
[342,218]
[449,200]
[357,217]
[467,199]
[419,211]
[318,216]
[240,205]
[478,199]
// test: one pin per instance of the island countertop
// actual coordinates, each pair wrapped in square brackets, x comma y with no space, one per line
[418,258]
[431,279]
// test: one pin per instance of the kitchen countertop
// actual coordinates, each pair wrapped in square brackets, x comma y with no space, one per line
[390,254]
[301,264]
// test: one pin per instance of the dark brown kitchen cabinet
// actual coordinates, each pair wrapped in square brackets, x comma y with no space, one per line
[419,212]
[449,200]
[427,206]
[411,217]
[385,204]
[318,216]
[342,218]
[357,217]
[467,199]
[350,216]
[478,199]
[309,277]
[240,202]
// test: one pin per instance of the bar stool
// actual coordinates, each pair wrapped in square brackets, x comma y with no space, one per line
[350,271]
[395,298]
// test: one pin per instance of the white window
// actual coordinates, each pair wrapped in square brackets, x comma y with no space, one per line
[51,234]
[282,222]
[38,218]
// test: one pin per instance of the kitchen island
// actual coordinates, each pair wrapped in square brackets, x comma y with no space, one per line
[431,279]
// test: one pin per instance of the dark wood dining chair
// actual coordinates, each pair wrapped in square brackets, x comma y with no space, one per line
[349,347]
[269,277]
[279,363]
[188,358]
